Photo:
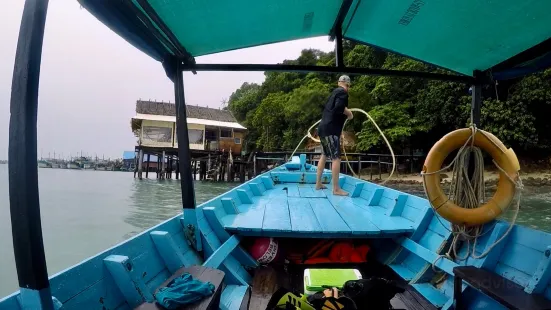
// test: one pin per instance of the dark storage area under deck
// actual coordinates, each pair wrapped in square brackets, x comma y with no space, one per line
[267,280]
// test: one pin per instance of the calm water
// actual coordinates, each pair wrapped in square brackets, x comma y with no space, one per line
[85,212]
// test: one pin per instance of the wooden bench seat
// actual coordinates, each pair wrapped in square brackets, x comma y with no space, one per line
[503,290]
[200,273]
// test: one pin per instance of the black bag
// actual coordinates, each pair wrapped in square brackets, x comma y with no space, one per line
[373,293]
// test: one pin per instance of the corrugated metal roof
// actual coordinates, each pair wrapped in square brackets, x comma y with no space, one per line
[169,109]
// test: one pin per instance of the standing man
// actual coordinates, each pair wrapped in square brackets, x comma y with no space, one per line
[335,113]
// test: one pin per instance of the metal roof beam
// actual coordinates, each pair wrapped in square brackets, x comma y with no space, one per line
[327,69]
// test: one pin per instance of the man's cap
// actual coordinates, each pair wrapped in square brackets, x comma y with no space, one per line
[345,79]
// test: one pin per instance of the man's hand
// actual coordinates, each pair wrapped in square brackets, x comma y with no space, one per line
[348,114]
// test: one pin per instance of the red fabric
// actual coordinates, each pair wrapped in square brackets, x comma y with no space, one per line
[340,252]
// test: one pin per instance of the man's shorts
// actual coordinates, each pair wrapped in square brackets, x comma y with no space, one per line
[331,146]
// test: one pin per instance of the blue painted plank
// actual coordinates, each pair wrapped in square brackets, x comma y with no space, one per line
[399,205]
[229,205]
[329,219]
[217,227]
[292,190]
[168,250]
[214,217]
[244,196]
[306,191]
[431,294]
[540,278]
[37,299]
[358,187]
[268,183]
[355,218]
[303,177]
[440,226]
[309,191]
[383,217]
[521,258]
[430,257]
[255,189]
[235,273]
[103,294]
[232,297]
[130,284]
[432,241]
[376,197]
[302,216]
[251,220]
[302,162]
[222,252]
[403,271]
[377,216]
[276,216]
[10,302]
[512,274]
[422,225]
[158,279]
[71,282]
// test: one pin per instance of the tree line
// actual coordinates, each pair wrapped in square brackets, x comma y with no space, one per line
[413,113]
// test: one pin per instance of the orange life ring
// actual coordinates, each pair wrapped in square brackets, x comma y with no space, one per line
[504,157]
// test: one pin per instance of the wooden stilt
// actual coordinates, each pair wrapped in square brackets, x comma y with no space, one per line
[242,173]
[219,168]
[135,165]
[158,168]
[163,167]
[147,166]
[177,169]
[140,164]
[254,165]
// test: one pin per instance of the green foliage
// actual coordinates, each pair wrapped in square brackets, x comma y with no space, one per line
[413,113]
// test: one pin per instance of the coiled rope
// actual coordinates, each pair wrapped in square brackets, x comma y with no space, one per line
[309,135]
[470,193]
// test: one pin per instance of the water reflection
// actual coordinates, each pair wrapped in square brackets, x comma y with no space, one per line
[153,201]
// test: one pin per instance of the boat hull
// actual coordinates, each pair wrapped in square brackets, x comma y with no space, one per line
[404,234]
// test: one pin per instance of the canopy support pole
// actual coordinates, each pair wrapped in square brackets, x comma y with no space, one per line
[339,54]
[28,246]
[186,180]
[336,32]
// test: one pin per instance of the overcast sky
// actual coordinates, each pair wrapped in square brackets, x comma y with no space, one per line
[91,78]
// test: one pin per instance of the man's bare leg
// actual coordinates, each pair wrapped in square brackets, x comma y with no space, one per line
[335,171]
[321,166]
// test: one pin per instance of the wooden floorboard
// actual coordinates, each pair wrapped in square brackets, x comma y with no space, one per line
[266,282]
[298,210]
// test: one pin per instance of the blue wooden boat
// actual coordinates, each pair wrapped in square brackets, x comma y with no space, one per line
[480,43]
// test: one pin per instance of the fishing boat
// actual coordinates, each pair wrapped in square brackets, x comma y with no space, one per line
[44,164]
[73,165]
[409,237]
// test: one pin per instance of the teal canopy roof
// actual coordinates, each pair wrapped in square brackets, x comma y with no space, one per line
[507,37]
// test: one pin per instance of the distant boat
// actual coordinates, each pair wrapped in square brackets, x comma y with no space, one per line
[44,164]
[73,165]
[88,166]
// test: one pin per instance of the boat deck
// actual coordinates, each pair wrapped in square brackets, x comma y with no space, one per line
[284,209]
